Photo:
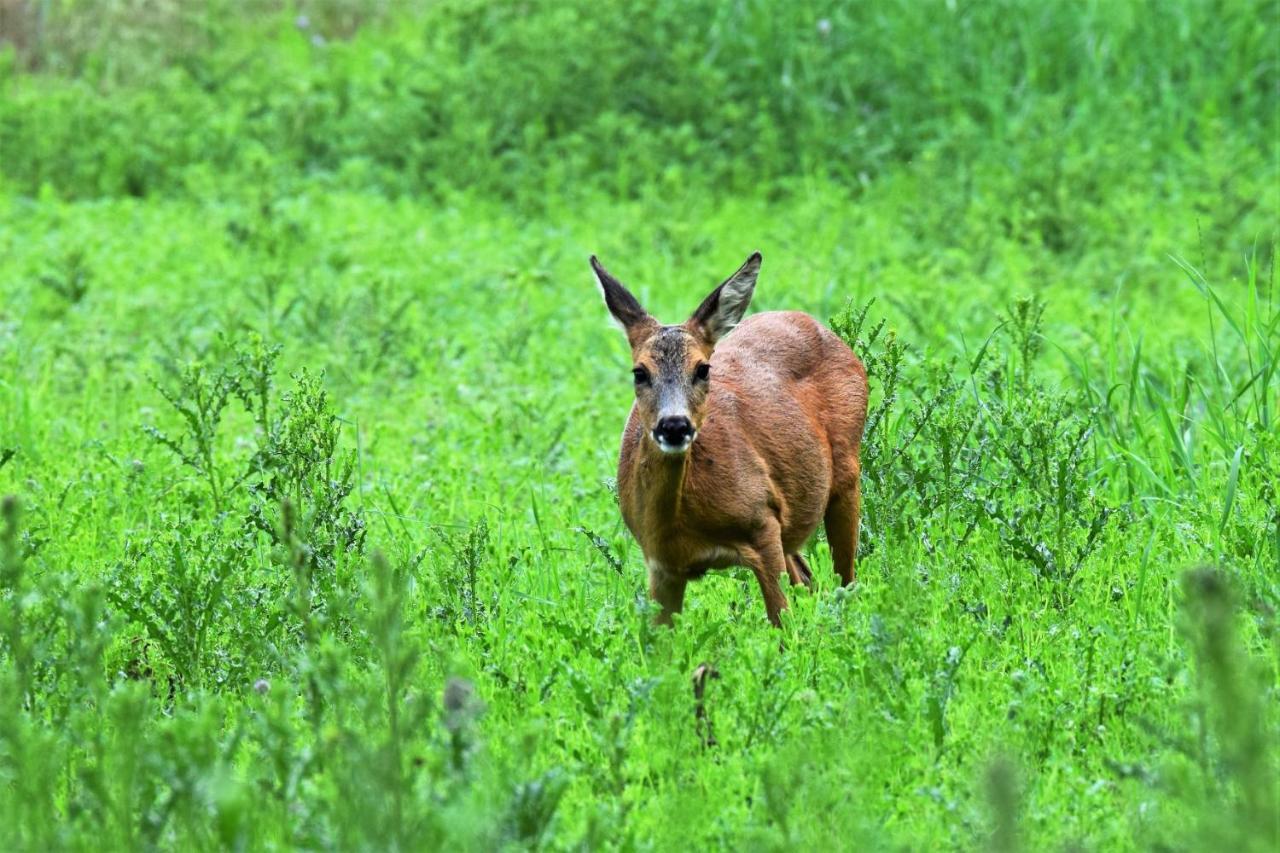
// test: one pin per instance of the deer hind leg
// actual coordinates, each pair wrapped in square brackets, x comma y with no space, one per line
[798,570]
[768,562]
[842,521]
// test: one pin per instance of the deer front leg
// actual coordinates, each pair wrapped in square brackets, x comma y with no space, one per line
[666,588]
[768,562]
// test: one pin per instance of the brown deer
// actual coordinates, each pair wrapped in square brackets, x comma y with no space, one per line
[737,444]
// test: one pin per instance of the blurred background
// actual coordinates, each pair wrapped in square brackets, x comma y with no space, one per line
[1066,117]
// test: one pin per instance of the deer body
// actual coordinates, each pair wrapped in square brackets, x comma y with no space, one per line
[738,467]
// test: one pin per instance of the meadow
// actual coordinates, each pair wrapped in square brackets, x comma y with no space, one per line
[310,408]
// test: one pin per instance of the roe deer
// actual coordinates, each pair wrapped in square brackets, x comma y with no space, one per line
[737,446]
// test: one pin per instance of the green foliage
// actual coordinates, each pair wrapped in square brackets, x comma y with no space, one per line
[1234,746]
[519,98]
[979,446]
[308,419]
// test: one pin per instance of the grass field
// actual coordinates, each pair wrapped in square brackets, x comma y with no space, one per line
[309,412]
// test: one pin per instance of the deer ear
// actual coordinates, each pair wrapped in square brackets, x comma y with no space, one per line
[624,307]
[726,305]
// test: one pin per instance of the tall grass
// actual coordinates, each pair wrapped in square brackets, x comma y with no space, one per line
[522,99]
[308,415]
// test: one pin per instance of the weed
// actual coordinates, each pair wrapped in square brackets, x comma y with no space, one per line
[1240,760]
[200,400]
[69,278]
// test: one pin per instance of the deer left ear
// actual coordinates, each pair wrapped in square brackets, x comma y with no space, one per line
[727,304]
[624,307]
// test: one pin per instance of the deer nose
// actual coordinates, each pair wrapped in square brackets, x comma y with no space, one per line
[674,430]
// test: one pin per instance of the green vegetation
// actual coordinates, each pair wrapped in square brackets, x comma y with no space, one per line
[309,411]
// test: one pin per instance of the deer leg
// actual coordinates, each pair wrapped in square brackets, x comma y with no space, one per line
[667,589]
[842,521]
[799,571]
[768,562]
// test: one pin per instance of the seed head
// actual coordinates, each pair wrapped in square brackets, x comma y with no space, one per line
[461,705]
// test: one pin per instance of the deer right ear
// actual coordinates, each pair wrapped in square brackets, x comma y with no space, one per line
[624,307]
[724,307]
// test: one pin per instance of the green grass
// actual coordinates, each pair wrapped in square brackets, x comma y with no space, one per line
[311,422]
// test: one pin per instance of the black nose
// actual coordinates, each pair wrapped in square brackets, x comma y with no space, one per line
[674,430]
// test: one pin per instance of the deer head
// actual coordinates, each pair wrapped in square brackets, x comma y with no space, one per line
[671,365]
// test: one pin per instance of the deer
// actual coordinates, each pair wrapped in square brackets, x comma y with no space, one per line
[743,436]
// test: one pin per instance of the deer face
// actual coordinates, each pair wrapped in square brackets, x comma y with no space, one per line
[671,365]
[672,374]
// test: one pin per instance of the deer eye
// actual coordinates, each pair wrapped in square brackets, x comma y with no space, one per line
[702,372]
[641,375]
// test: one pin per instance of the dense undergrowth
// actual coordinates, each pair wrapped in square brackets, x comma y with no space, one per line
[308,414]
[530,98]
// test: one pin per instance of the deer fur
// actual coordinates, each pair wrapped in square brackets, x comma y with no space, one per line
[738,467]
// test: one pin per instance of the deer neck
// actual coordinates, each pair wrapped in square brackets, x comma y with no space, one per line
[665,483]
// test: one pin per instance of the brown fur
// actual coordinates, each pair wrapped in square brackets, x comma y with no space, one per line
[779,424]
